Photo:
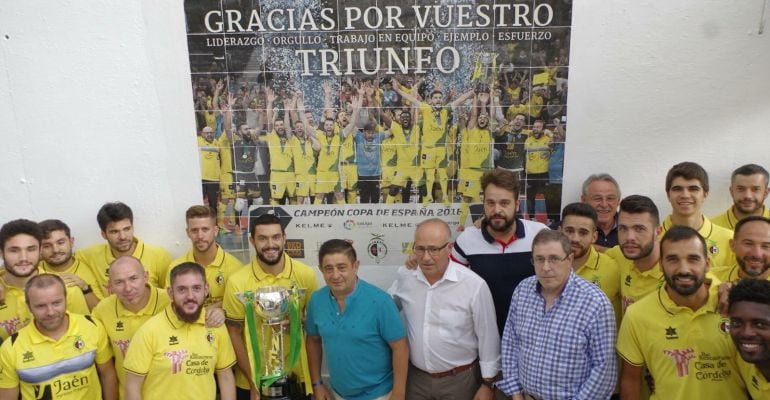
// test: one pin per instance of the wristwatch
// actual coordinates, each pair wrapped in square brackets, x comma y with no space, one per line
[490,383]
[87,289]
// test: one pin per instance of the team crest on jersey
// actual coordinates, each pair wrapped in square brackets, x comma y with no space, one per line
[628,280]
[28,356]
[596,280]
[210,337]
[681,359]
[119,326]
[713,247]
[79,343]
[220,279]
[173,340]
[671,333]
[724,325]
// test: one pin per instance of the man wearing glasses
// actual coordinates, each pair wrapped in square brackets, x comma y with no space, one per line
[454,347]
[559,338]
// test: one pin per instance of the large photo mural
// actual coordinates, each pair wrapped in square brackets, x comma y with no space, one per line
[357,119]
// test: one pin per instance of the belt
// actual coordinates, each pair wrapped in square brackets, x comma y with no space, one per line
[453,371]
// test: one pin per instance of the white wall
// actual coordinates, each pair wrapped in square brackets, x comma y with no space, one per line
[96,104]
[654,83]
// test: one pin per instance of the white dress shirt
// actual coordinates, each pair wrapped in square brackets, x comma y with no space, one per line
[449,323]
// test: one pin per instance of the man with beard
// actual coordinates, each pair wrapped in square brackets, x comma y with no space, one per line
[687,187]
[20,248]
[749,190]
[218,264]
[270,267]
[677,333]
[579,224]
[406,139]
[282,177]
[750,330]
[58,259]
[174,351]
[60,355]
[509,145]
[251,165]
[538,151]
[751,245]
[475,153]
[500,250]
[304,154]
[132,302]
[602,192]
[329,166]
[637,254]
[116,221]
[214,163]
[435,117]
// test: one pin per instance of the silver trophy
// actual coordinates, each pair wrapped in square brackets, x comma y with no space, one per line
[272,305]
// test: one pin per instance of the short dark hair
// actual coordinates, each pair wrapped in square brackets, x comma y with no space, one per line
[113,212]
[41,281]
[199,211]
[580,210]
[750,169]
[18,227]
[638,204]
[265,219]
[678,233]
[503,179]
[746,220]
[186,268]
[548,236]
[751,290]
[336,246]
[688,170]
[51,225]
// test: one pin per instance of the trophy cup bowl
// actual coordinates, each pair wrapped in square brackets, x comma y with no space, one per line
[271,303]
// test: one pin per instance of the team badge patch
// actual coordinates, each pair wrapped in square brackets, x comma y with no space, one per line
[79,343]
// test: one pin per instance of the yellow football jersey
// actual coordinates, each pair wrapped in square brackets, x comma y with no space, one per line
[603,271]
[728,219]
[179,357]
[252,277]
[538,153]
[217,272]
[121,324]
[717,241]
[155,260]
[407,145]
[476,149]
[44,368]
[688,353]
[634,284]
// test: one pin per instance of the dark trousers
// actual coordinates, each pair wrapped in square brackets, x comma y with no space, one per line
[369,189]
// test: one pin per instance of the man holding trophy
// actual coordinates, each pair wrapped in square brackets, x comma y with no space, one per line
[265,302]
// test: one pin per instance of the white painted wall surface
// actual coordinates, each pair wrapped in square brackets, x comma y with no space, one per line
[96,105]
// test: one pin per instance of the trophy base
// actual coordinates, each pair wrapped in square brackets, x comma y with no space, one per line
[279,390]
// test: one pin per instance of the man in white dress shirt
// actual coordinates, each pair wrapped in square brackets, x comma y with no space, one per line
[454,346]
